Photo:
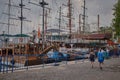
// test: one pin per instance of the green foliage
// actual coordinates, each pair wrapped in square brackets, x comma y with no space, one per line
[116,20]
[106,29]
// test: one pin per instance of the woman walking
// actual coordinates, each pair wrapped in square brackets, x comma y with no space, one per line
[92,58]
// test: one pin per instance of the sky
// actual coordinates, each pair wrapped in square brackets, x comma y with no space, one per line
[94,7]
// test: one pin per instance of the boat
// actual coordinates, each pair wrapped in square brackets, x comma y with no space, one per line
[27,54]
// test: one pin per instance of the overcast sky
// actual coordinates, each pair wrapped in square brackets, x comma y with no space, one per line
[94,7]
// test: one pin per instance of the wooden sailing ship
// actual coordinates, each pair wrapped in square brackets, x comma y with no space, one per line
[27,54]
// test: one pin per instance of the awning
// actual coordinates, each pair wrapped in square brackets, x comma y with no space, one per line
[6,35]
[54,30]
[19,35]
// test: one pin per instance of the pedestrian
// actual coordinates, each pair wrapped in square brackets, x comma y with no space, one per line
[100,58]
[108,53]
[92,57]
[0,63]
[105,54]
[118,52]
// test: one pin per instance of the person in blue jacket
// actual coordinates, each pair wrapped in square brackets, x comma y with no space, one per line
[100,58]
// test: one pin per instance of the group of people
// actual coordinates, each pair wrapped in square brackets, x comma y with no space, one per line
[101,55]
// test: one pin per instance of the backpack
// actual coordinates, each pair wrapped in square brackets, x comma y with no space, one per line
[92,56]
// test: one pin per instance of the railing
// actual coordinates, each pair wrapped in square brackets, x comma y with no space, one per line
[10,64]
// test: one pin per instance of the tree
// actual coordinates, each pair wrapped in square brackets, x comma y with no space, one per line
[106,29]
[116,20]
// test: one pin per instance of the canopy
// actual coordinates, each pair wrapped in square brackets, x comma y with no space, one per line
[6,35]
[54,30]
[19,35]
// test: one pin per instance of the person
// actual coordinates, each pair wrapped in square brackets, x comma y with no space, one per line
[105,53]
[100,58]
[0,63]
[92,58]
[107,50]
[118,52]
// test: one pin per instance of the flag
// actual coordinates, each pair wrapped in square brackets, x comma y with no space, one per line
[38,32]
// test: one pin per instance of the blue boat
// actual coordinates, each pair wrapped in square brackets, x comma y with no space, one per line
[57,56]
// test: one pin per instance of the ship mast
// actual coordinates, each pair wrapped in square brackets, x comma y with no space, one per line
[21,18]
[84,16]
[46,15]
[59,21]
[46,22]
[98,22]
[69,17]
[42,4]
[79,23]
[9,7]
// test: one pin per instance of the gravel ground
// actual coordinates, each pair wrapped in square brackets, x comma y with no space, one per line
[71,71]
